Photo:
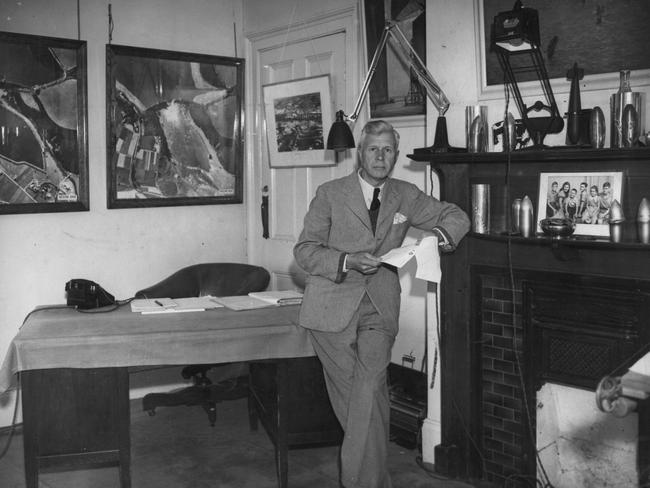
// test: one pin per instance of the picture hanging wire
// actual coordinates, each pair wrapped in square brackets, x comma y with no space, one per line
[111,25]
[78,21]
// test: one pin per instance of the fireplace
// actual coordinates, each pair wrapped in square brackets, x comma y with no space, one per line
[521,313]
[548,327]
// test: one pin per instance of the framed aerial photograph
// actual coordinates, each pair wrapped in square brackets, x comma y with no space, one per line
[174,128]
[399,94]
[298,116]
[584,198]
[43,124]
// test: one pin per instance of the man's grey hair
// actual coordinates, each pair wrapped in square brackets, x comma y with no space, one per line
[376,127]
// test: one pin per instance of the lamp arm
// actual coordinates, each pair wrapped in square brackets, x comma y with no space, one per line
[434,91]
[371,72]
[425,77]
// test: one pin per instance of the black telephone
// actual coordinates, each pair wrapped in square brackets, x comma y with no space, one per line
[85,294]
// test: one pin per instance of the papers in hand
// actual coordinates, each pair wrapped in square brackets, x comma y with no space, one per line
[169,305]
[426,254]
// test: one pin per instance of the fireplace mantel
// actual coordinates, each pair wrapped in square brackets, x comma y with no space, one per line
[521,268]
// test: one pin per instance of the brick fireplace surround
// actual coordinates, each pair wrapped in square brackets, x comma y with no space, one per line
[520,312]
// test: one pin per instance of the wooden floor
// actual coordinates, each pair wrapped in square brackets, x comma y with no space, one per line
[177,448]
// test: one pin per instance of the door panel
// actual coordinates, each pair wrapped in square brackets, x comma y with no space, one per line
[307,52]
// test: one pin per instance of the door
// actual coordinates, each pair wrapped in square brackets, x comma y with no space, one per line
[313,49]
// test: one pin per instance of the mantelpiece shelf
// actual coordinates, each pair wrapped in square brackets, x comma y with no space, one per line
[550,154]
[573,241]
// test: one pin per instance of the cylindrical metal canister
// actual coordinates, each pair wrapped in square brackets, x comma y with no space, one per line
[526,226]
[516,209]
[481,208]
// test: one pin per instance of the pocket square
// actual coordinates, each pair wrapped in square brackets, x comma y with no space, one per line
[399,219]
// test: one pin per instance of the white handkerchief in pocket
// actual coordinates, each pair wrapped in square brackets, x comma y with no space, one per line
[399,219]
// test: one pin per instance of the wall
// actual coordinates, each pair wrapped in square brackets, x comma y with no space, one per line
[123,250]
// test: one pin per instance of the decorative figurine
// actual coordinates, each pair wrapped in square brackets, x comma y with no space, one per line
[576,129]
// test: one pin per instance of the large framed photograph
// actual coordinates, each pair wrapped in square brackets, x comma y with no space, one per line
[43,124]
[571,32]
[174,128]
[584,198]
[298,114]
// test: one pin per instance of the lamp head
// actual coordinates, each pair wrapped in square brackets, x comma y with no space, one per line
[516,30]
[340,136]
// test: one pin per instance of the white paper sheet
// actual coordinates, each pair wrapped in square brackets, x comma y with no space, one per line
[426,254]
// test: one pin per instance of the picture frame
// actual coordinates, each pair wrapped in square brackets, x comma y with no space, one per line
[573,33]
[397,95]
[174,128]
[43,124]
[298,115]
[583,197]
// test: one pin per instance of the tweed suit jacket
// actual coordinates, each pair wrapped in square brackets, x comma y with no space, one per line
[338,223]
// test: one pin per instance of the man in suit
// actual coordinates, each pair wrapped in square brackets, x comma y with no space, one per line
[351,301]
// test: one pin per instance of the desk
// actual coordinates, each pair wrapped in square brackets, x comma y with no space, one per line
[73,363]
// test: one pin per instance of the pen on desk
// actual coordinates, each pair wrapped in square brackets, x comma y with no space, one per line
[158,303]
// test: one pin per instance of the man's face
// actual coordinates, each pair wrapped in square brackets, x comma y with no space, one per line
[377,157]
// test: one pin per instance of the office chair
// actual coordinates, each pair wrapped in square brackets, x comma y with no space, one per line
[216,279]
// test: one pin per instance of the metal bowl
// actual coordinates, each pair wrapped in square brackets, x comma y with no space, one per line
[557,228]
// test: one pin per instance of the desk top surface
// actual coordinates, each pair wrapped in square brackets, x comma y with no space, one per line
[61,337]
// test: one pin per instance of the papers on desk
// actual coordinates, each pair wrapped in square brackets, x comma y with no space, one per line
[174,305]
[280,297]
[261,299]
[426,254]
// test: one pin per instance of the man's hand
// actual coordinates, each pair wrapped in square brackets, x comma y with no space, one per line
[363,262]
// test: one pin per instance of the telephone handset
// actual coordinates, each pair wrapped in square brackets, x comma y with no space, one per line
[85,294]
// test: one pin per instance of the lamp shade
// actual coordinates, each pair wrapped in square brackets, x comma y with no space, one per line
[340,136]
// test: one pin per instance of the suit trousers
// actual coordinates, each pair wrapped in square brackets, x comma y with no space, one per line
[355,363]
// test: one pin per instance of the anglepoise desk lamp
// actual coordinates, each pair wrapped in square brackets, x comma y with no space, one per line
[340,136]
[516,40]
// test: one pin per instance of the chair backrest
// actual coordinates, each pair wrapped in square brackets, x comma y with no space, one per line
[216,279]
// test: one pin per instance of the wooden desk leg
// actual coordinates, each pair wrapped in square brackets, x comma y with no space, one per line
[30,452]
[643,443]
[282,447]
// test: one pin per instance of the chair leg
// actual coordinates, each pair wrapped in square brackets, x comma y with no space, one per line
[252,410]
[211,409]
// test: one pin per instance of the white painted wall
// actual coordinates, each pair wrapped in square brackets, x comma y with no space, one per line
[128,249]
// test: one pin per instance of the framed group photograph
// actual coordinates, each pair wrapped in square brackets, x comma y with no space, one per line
[43,124]
[174,128]
[584,198]
[298,115]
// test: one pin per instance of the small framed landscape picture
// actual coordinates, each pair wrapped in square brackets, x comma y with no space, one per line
[584,198]
[298,115]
